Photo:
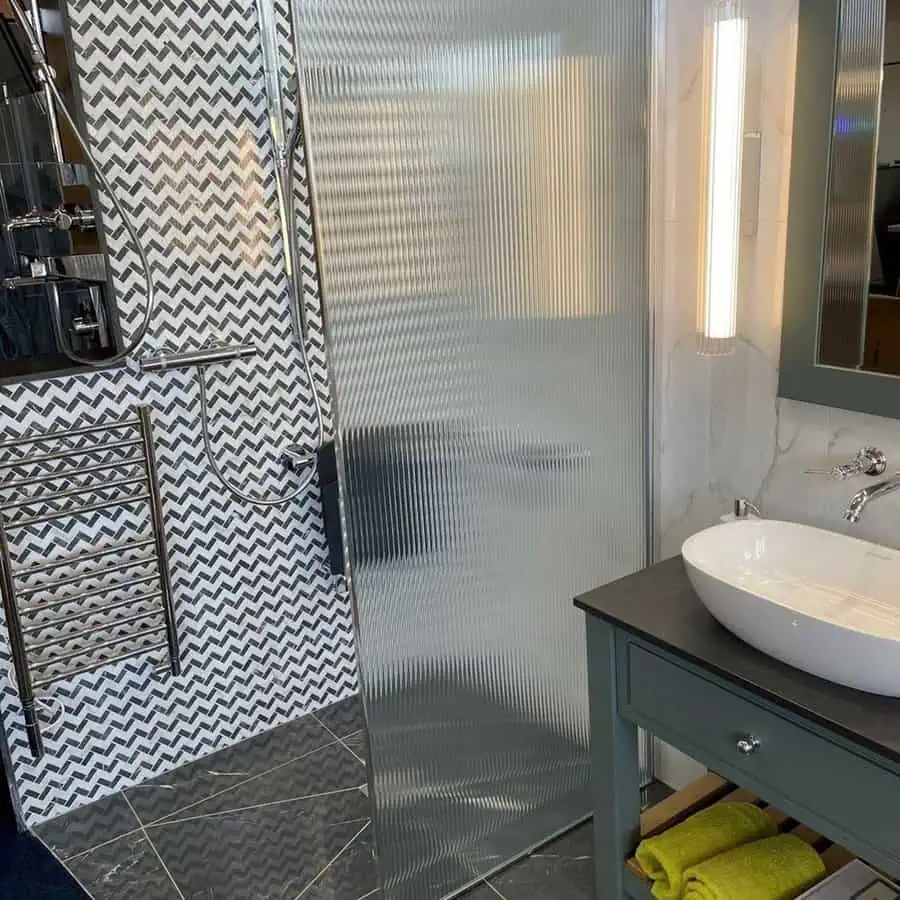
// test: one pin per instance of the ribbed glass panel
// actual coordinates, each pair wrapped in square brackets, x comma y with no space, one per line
[481,174]
[851,189]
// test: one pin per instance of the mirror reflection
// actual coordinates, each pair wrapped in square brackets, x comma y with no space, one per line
[51,250]
[856,331]
[881,351]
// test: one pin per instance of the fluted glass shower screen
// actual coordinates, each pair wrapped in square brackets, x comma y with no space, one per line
[480,171]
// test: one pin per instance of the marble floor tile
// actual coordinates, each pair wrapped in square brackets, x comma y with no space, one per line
[194,782]
[358,744]
[562,870]
[273,852]
[87,827]
[330,768]
[351,876]
[125,869]
[344,717]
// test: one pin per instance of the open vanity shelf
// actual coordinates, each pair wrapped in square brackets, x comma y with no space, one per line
[704,792]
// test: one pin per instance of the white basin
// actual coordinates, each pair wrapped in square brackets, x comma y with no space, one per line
[823,602]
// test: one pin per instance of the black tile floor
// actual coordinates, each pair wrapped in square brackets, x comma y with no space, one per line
[282,816]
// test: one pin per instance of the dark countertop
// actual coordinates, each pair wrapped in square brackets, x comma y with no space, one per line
[659,605]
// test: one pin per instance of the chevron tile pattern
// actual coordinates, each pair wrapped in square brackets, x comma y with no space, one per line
[175,108]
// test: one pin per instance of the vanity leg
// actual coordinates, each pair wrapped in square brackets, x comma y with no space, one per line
[615,774]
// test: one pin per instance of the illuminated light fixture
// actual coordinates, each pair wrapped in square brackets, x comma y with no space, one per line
[726,72]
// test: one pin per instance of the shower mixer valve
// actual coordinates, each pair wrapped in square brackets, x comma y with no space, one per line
[60,219]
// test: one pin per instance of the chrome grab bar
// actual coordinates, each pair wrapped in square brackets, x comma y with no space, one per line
[205,356]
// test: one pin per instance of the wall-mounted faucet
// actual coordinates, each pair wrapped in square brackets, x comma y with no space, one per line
[868,461]
[746,509]
[862,498]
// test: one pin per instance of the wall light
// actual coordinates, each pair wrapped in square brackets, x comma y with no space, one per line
[726,76]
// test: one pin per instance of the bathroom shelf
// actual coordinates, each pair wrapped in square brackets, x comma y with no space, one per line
[79,612]
[705,792]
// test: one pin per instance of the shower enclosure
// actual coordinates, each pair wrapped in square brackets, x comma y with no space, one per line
[480,173]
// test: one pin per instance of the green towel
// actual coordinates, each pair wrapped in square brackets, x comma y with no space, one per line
[777,868]
[713,830]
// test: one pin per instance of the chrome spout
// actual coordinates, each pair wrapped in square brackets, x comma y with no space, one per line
[862,498]
[746,509]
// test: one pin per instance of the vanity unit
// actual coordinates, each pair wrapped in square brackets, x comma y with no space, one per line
[826,755]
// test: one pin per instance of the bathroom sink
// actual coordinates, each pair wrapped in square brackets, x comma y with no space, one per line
[823,602]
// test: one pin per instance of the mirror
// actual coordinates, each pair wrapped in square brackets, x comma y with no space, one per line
[51,242]
[841,336]
[860,317]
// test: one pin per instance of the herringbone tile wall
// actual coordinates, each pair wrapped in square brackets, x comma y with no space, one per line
[175,104]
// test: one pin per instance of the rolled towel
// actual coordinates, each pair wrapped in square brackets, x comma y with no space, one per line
[776,868]
[713,830]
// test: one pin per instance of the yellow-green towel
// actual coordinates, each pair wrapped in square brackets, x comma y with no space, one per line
[712,830]
[777,868]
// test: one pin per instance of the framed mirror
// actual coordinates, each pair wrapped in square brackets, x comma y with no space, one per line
[841,333]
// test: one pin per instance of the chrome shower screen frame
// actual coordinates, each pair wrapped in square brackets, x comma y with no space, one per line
[481,178]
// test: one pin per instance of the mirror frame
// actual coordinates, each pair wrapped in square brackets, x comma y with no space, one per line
[801,377]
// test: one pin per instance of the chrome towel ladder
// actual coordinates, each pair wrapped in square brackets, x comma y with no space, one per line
[37,638]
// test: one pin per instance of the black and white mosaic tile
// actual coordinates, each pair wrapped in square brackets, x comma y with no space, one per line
[175,108]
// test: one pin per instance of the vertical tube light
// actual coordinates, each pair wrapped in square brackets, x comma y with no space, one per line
[726,84]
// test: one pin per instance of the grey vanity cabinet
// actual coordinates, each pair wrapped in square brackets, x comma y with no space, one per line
[827,756]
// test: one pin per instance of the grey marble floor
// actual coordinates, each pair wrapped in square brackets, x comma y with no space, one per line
[283,816]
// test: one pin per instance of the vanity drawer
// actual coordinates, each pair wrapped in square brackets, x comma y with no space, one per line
[825,785]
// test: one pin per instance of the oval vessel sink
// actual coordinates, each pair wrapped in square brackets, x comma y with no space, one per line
[823,602]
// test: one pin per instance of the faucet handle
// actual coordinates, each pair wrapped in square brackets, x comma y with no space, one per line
[868,461]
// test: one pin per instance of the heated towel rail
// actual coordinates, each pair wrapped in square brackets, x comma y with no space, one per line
[81,611]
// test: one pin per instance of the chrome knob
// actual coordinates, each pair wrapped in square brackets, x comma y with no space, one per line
[748,744]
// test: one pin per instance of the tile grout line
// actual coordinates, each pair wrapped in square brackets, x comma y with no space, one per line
[161,820]
[162,862]
[340,740]
[105,843]
[240,809]
[333,860]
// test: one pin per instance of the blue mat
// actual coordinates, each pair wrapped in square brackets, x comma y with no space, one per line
[28,871]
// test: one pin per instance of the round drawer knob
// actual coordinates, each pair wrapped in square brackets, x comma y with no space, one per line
[748,744]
